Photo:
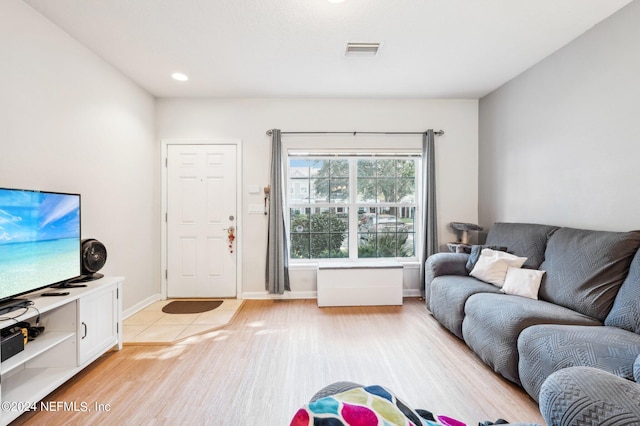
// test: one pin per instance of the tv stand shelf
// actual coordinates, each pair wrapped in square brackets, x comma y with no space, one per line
[79,328]
[44,342]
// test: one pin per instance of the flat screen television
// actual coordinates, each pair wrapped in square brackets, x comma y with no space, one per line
[39,241]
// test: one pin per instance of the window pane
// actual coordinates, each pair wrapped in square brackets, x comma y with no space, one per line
[386,232]
[339,232]
[320,220]
[319,190]
[299,228]
[387,242]
[319,246]
[319,233]
[406,233]
[298,168]
[406,168]
[339,191]
[299,220]
[299,190]
[316,165]
[300,245]
[407,248]
[386,168]
[386,181]
[386,190]
[406,190]
[367,190]
[329,181]
[339,168]
[299,180]
[366,168]
[366,248]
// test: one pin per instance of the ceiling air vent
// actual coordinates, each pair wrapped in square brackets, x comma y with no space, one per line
[362,49]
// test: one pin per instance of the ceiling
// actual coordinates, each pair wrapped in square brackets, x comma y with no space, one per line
[296,48]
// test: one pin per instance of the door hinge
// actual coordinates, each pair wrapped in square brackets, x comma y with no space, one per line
[166,162]
[166,274]
[166,217]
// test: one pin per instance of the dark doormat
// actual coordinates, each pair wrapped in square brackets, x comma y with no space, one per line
[191,306]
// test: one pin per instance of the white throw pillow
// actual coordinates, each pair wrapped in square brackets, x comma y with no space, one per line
[492,266]
[523,282]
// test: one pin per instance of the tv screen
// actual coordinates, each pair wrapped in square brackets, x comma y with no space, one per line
[39,240]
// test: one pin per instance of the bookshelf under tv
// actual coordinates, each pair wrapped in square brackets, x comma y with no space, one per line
[79,327]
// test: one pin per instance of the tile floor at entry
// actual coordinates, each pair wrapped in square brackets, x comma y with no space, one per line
[152,326]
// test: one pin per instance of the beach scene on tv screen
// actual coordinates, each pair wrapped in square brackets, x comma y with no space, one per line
[39,239]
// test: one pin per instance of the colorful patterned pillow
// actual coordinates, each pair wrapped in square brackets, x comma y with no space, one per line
[361,406]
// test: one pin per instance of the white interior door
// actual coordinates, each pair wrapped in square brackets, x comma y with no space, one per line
[201,209]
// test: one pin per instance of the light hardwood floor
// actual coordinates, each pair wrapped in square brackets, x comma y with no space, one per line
[274,356]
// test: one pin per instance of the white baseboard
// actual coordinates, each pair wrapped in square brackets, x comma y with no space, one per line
[141,305]
[262,295]
[411,292]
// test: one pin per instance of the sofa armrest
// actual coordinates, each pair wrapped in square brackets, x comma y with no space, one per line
[446,264]
[587,395]
[443,264]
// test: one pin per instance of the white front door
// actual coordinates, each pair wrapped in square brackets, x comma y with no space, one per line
[201,209]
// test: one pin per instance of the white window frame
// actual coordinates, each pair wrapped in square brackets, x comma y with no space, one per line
[299,150]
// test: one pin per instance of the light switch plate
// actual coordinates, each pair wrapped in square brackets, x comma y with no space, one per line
[256,209]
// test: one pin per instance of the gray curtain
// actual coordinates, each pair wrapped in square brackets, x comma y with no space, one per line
[429,219]
[277,271]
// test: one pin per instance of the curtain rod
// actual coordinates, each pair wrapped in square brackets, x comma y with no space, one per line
[436,132]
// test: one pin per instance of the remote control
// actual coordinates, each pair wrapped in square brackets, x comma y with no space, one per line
[55,293]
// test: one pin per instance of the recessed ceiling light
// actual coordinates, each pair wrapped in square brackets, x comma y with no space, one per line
[179,76]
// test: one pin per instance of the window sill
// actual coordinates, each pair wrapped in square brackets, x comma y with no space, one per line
[313,266]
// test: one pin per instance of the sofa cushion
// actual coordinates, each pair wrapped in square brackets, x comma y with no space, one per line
[448,296]
[585,269]
[493,322]
[546,348]
[625,312]
[522,239]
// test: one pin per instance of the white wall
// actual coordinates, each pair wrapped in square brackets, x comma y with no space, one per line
[70,122]
[249,119]
[560,143]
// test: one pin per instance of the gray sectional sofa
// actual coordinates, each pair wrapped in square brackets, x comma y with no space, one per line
[586,316]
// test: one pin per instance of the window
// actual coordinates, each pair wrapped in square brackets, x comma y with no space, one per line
[352,206]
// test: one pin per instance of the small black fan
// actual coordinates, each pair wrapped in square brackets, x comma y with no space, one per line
[93,255]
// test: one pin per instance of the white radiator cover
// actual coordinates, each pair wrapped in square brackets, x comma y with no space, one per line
[360,284]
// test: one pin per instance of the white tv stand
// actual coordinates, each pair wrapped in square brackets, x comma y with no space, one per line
[79,328]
